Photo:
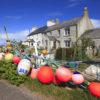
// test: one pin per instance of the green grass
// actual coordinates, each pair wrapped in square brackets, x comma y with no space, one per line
[59,93]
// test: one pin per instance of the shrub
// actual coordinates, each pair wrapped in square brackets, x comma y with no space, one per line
[8,72]
[74,53]
[64,54]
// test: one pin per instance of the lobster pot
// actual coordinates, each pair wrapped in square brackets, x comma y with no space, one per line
[24,67]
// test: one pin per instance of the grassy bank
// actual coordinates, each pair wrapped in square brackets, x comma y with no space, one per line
[8,72]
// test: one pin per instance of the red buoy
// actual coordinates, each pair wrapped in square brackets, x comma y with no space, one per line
[94,89]
[16,59]
[56,81]
[45,75]
[63,74]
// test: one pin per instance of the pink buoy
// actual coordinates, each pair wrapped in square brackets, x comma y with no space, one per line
[34,72]
[63,74]
[77,78]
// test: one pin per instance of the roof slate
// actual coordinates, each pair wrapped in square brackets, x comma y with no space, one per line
[66,24]
[39,30]
[93,33]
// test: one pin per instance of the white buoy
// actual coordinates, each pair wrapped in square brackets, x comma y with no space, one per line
[24,67]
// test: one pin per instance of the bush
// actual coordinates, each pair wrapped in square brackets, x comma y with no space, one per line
[64,54]
[8,72]
[71,54]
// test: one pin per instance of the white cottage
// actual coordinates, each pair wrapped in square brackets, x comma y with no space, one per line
[55,34]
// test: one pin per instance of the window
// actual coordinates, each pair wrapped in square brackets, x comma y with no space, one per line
[58,32]
[67,43]
[67,32]
[32,44]
[46,42]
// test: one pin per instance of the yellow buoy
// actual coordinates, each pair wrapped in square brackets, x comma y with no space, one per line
[9,57]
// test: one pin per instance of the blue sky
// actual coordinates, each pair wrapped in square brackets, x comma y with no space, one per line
[21,15]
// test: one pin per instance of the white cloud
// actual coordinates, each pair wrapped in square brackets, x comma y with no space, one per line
[21,35]
[73,0]
[14,17]
[96,23]
[73,3]
[53,14]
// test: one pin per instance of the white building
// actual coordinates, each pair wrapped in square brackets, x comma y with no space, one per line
[55,34]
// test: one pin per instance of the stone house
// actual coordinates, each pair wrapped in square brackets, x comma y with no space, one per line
[64,35]
[93,34]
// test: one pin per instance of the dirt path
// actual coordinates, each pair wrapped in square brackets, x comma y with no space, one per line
[10,92]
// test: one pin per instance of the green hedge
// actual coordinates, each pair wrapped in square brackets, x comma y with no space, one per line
[70,54]
[64,54]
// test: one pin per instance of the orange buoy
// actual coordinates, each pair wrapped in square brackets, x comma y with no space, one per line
[45,75]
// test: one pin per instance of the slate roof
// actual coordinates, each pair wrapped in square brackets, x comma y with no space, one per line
[39,30]
[93,33]
[66,24]
[71,22]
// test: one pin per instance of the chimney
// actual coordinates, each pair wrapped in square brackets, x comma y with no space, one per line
[57,21]
[51,23]
[33,29]
[85,11]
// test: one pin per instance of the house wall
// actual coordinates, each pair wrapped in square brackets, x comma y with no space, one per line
[97,42]
[71,37]
[36,38]
[61,37]
[84,24]
[73,34]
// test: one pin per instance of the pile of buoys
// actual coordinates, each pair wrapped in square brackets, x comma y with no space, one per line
[46,75]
